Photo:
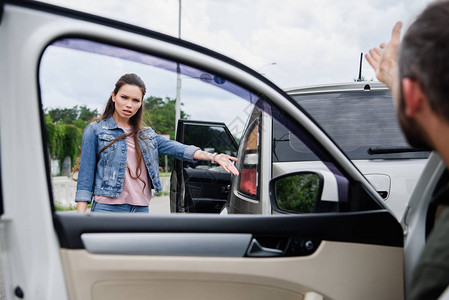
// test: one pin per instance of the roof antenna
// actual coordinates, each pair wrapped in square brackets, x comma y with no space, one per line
[360,68]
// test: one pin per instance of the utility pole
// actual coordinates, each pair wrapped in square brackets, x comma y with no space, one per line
[178,73]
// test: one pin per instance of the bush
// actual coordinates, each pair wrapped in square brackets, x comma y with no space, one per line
[63,139]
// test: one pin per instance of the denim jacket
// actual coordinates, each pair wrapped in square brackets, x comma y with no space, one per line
[105,176]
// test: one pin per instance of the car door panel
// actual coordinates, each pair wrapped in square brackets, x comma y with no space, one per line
[206,191]
[167,277]
[341,257]
[354,254]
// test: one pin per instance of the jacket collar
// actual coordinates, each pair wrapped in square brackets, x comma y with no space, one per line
[144,132]
[109,123]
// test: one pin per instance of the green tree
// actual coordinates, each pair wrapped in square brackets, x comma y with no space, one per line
[70,115]
[86,114]
[65,130]
[160,115]
[71,142]
[65,115]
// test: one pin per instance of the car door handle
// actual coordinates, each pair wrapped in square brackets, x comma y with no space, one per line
[256,249]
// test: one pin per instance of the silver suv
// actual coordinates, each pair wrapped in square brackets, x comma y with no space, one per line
[359,117]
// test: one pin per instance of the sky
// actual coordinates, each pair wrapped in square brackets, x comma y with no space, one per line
[293,43]
[310,42]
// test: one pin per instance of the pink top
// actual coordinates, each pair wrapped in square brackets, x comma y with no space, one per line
[132,188]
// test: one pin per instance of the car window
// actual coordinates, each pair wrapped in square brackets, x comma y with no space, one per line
[362,123]
[77,76]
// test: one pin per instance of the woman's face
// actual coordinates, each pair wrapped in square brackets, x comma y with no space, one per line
[127,102]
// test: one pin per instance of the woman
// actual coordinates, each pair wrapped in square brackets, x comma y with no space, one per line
[119,158]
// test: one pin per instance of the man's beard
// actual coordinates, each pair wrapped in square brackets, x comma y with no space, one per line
[413,132]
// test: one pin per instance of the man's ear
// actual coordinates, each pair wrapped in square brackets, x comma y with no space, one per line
[414,97]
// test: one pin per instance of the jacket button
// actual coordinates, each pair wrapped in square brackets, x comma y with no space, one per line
[148,164]
[123,151]
[144,150]
[152,176]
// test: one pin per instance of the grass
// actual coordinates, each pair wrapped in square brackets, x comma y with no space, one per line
[60,207]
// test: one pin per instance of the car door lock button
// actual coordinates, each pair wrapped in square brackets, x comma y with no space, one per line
[301,246]
[308,245]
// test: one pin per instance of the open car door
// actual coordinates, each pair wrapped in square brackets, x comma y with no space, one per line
[201,187]
[354,251]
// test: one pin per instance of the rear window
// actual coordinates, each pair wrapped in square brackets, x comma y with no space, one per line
[362,123]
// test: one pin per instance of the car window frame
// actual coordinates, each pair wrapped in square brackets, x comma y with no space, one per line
[343,169]
[1,183]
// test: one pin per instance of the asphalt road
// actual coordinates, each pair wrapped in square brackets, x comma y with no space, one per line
[159,205]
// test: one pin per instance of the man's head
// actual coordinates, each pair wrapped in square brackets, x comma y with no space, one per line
[424,60]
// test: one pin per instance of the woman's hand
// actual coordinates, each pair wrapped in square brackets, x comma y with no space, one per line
[226,162]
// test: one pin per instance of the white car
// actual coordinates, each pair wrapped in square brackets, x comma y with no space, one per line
[361,119]
[355,251]
[358,116]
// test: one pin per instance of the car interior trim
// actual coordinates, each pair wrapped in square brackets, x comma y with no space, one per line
[172,244]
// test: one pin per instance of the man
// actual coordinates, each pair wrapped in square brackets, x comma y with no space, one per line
[418,77]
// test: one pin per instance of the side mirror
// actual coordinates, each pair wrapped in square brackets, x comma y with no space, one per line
[296,192]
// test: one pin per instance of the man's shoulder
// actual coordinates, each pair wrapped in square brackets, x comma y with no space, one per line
[437,247]
[431,276]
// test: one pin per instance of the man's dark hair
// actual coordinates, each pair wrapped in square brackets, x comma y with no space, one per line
[424,55]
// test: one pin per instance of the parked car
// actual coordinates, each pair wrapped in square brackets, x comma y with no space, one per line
[49,254]
[358,116]
[361,119]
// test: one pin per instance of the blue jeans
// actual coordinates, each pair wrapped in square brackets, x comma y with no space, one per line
[100,207]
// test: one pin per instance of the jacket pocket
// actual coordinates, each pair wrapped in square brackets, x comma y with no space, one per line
[105,140]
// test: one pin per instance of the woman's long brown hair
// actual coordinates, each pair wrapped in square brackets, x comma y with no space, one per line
[135,121]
